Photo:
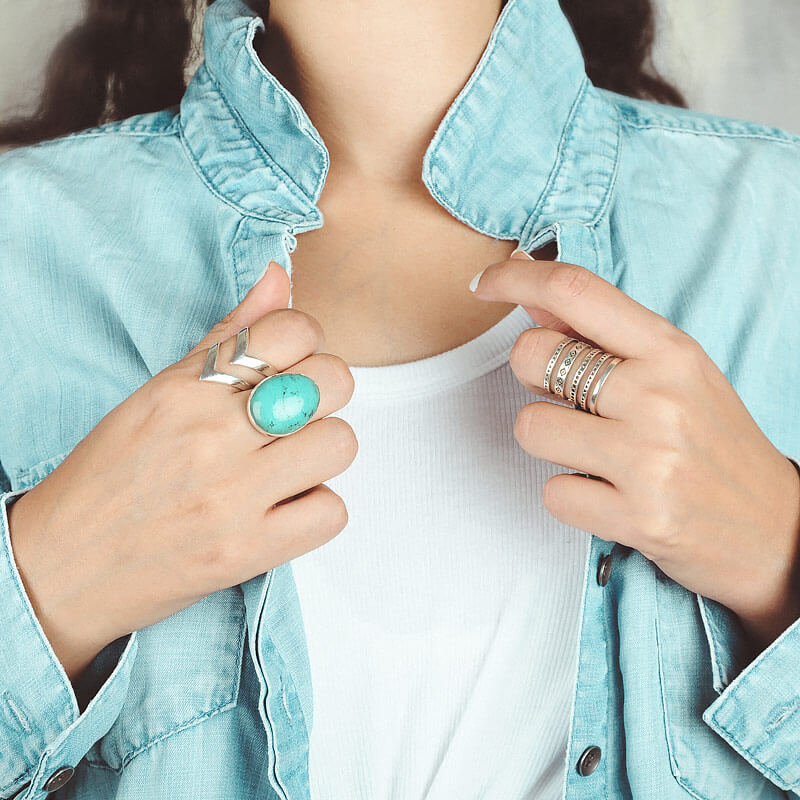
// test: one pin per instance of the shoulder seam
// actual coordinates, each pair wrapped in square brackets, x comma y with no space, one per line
[647,115]
[786,138]
[131,126]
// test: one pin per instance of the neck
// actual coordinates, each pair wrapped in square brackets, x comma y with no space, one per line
[376,77]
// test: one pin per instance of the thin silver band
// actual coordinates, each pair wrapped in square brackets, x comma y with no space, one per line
[593,401]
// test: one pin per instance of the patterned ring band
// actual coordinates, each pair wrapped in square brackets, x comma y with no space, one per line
[280,404]
[573,392]
[549,371]
[566,364]
[569,350]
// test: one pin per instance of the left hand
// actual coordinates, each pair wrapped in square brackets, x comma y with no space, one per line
[689,479]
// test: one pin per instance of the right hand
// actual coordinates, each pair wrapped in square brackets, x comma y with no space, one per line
[175,495]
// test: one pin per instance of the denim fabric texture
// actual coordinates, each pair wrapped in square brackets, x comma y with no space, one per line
[121,245]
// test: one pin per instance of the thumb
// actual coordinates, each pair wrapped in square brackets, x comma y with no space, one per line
[269,292]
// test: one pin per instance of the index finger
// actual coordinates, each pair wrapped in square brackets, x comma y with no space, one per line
[591,305]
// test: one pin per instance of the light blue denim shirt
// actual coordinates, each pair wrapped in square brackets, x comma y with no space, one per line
[120,246]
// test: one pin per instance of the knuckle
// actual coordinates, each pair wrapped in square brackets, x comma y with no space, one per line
[526,423]
[342,437]
[299,325]
[161,396]
[340,373]
[335,512]
[203,450]
[567,280]
[659,533]
[220,557]
[664,470]
[683,356]
[665,409]
[550,496]
[525,350]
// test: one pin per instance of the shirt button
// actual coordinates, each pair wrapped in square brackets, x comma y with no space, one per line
[588,761]
[604,569]
[58,779]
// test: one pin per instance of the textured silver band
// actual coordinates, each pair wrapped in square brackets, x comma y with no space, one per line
[549,371]
[566,364]
[590,377]
[573,392]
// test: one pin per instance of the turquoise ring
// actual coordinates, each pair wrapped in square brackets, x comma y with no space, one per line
[283,403]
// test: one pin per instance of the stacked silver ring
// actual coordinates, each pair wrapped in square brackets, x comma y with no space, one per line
[577,394]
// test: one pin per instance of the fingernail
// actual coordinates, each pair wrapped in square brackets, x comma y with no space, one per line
[473,284]
[264,273]
[518,253]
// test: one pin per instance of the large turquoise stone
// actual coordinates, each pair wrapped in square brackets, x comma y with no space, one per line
[283,403]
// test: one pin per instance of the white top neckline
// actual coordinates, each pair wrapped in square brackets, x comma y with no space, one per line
[453,367]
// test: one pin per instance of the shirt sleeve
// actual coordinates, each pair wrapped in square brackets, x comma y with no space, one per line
[42,728]
[758,713]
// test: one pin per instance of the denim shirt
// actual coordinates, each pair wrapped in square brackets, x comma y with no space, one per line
[120,247]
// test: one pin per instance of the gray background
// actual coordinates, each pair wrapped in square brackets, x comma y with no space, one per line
[733,57]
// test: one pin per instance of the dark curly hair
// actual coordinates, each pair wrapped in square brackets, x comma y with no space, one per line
[129,56]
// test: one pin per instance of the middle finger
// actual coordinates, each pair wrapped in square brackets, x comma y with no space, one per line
[532,352]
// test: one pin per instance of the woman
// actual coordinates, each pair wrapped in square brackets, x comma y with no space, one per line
[529,601]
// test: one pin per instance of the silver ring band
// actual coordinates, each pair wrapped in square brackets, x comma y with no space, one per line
[566,364]
[590,378]
[593,401]
[573,392]
[244,359]
[549,371]
[211,373]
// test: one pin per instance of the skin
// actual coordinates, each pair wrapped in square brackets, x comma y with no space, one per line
[689,479]
[369,293]
[382,295]
[135,551]
[151,519]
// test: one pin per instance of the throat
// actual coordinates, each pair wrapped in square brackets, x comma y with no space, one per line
[387,278]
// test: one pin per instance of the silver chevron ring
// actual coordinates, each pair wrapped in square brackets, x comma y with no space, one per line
[211,373]
[242,358]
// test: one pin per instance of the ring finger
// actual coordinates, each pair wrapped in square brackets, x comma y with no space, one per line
[572,439]
[315,453]
[333,379]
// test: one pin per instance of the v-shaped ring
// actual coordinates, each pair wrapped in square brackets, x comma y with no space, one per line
[211,373]
[244,359]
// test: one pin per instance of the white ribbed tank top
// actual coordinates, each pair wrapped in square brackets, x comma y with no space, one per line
[442,622]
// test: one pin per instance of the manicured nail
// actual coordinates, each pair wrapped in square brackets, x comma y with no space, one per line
[473,284]
[522,254]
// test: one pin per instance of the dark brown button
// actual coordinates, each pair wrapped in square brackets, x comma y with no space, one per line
[604,569]
[588,761]
[58,779]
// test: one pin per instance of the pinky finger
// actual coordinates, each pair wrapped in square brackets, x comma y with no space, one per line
[588,503]
[299,524]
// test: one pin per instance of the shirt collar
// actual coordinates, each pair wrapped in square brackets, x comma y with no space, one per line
[528,141]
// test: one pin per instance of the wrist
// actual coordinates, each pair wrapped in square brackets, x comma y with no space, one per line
[61,606]
[765,625]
